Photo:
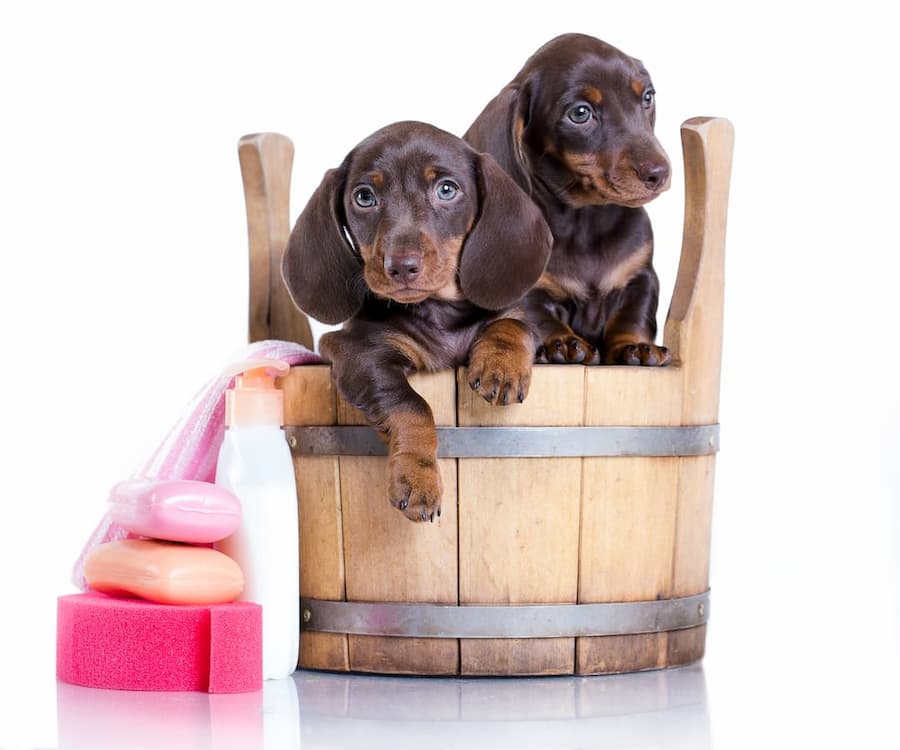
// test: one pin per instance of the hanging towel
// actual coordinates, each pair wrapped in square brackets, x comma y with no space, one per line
[191,448]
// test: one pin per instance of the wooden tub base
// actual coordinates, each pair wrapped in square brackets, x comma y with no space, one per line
[609,638]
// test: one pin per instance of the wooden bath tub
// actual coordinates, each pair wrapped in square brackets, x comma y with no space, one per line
[575,530]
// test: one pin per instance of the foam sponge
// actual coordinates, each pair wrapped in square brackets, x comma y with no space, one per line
[129,644]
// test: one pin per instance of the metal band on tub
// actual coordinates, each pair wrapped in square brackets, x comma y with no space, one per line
[511,621]
[517,442]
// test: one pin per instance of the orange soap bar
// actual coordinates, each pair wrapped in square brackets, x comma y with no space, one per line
[163,572]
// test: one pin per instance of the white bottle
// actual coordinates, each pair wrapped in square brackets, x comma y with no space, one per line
[255,464]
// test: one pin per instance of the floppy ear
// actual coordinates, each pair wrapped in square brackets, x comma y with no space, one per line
[499,128]
[320,268]
[508,247]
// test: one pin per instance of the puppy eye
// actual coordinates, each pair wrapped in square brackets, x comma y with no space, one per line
[580,114]
[364,197]
[648,98]
[446,190]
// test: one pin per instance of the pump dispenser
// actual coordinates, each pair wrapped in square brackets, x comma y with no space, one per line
[255,400]
[255,464]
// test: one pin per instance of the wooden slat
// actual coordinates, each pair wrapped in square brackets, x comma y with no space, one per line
[413,656]
[519,525]
[309,399]
[693,329]
[616,654]
[627,514]
[391,559]
[694,334]
[628,529]
[635,396]
[552,400]
[686,646]
[690,567]
[266,161]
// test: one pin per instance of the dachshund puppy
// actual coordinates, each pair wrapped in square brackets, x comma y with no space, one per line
[426,246]
[575,130]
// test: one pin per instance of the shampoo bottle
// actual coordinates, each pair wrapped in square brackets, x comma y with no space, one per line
[255,464]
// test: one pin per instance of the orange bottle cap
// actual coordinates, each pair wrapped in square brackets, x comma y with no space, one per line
[254,399]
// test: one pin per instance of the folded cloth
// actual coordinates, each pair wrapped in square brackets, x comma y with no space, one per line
[191,448]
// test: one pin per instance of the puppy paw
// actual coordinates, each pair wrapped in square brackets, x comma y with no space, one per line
[567,349]
[415,486]
[646,355]
[500,375]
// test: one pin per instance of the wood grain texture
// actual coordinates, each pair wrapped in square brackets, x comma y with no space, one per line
[693,330]
[328,651]
[266,161]
[519,525]
[628,514]
[552,400]
[616,654]
[437,388]
[413,656]
[633,396]
[391,559]
[686,646]
[690,566]
[517,656]
[309,399]
[628,529]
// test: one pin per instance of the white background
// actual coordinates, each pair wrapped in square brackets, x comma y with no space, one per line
[123,287]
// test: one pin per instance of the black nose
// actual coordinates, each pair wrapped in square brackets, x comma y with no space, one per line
[403,267]
[653,174]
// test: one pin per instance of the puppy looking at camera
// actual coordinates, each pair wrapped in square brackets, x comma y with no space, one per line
[425,248]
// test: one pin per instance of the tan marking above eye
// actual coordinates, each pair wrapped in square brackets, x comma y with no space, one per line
[637,87]
[593,95]
[430,174]
[377,179]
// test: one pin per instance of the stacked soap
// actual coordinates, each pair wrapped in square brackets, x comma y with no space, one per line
[165,567]
[164,617]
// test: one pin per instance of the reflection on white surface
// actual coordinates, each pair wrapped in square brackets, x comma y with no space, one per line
[319,710]
[647,710]
[281,714]
[118,719]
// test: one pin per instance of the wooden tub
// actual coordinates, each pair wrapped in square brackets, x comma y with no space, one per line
[579,538]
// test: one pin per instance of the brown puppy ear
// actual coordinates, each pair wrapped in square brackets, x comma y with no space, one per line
[507,249]
[320,268]
[499,129]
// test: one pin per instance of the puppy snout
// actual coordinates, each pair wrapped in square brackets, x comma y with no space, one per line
[403,268]
[654,174]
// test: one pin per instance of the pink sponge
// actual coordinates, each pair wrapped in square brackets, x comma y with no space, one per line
[128,644]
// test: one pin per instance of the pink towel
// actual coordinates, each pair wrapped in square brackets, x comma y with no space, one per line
[191,448]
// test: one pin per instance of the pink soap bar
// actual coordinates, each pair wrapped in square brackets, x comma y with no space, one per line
[177,510]
[128,644]
[163,572]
